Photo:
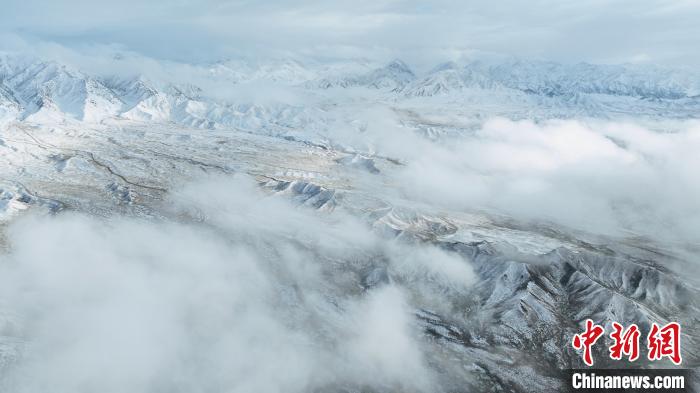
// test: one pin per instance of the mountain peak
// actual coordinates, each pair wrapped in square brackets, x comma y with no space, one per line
[397,65]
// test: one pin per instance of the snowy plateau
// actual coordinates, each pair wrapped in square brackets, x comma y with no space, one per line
[316,225]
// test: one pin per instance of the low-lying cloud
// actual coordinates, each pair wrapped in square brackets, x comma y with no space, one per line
[238,292]
[620,178]
[604,177]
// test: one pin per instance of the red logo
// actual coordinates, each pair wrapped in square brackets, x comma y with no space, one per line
[665,342]
[662,341]
[627,343]
[586,340]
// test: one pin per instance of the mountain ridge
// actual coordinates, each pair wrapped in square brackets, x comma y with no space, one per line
[31,86]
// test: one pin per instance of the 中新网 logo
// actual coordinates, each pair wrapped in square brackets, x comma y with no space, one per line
[661,342]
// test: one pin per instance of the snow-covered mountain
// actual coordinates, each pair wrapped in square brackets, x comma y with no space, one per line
[36,90]
[360,178]
[553,79]
[394,76]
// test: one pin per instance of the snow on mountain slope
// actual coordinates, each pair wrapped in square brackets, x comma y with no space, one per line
[10,108]
[553,79]
[507,325]
[520,89]
[131,91]
[391,77]
[362,181]
[286,71]
[51,87]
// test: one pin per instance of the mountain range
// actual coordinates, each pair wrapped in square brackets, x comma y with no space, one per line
[34,90]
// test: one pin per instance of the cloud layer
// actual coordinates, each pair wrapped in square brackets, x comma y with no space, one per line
[621,178]
[603,177]
[248,297]
[660,31]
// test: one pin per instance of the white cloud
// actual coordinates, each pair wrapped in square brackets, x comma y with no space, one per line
[605,177]
[248,299]
[600,31]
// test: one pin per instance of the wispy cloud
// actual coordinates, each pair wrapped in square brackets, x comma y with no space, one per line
[609,31]
[605,177]
[245,300]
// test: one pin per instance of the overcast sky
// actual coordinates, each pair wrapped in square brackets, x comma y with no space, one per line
[657,31]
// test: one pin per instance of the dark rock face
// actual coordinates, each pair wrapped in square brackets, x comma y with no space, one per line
[511,330]
[519,318]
